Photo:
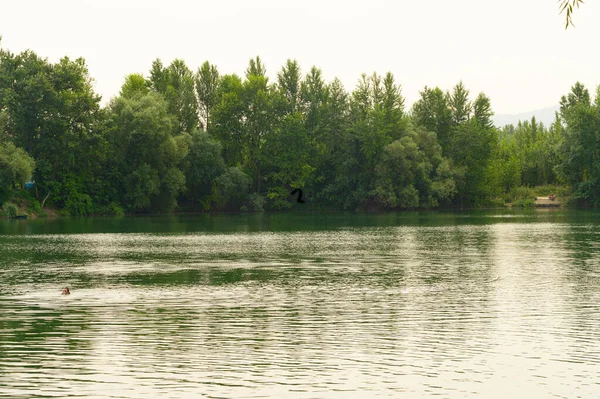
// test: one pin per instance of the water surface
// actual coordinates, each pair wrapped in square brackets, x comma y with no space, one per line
[477,304]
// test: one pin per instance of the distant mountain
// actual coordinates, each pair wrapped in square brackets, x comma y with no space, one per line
[544,115]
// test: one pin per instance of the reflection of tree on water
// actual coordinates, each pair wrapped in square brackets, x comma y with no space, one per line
[581,277]
[37,342]
[447,312]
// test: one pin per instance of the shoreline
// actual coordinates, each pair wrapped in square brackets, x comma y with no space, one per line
[52,214]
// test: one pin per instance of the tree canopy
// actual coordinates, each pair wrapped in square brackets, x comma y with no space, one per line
[175,139]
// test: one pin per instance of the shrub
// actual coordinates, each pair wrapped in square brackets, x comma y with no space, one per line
[232,187]
[112,209]
[256,202]
[78,204]
[280,205]
[519,193]
[524,203]
[10,210]
[559,191]
[35,206]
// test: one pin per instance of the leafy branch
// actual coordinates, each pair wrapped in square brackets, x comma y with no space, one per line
[566,6]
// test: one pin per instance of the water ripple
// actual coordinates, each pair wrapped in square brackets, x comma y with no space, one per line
[491,310]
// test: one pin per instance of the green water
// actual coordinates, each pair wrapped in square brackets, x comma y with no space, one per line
[452,305]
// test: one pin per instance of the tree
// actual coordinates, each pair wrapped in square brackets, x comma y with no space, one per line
[176,84]
[53,113]
[227,122]
[256,68]
[135,84]
[203,166]
[288,80]
[207,88]
[146,156]
[580,145]
[16,167]
[433,112]
[579,95]
[232,188]
[482,111]
[314,96]
[4,133]
[289,163]
[472,148]
[159,78]
[328,119]
[413,173]
[258,123]
[391,108]
[504,171]
[459,104]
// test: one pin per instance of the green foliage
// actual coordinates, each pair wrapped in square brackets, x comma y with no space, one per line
[546,190]
[233,188]
[10,210]
[207,83]
[172,183]
[289,146]
[206,141]
[472,148]
[290,86]
[206,202]
[588,193]
[566,7]
[204,160]
[518,195]
[482,111]
[256,202]
[35,206]
[278,197]
[16,167]
[25,199]
[244,118]
[54,115]
[467,138]
[227,122]
[78,204]
[203,165]
[433,113]
[4,133]
[524,203]
[579,146]
[146,155]
[459,104]
[413,173]
[135,85]
[176,84]
[112,209]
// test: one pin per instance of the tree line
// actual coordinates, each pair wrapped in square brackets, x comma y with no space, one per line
[179,139]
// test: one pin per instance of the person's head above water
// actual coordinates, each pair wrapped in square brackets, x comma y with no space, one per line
[66,291]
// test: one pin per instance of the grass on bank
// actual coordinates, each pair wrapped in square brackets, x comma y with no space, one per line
[23,203]
[524,197]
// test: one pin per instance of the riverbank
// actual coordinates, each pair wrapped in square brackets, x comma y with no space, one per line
[22,207]
[24,204]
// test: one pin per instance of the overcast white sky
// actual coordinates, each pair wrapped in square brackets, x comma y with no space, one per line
[516,51]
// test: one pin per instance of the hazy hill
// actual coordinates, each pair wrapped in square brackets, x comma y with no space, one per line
[544,115]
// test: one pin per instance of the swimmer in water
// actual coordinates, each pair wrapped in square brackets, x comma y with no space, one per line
[66,291]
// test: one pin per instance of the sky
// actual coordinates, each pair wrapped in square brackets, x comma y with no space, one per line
[516,51]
